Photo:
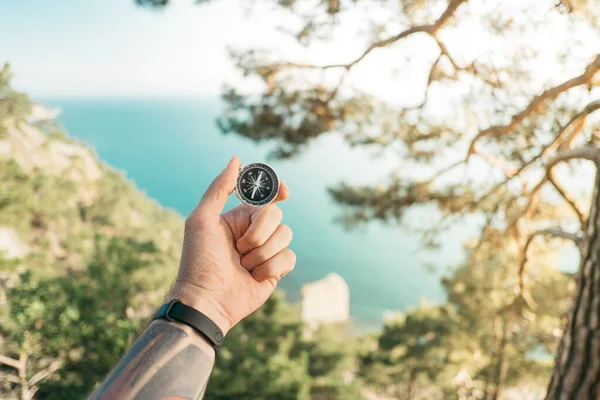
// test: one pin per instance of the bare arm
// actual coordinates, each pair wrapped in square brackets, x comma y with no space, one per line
[230,265]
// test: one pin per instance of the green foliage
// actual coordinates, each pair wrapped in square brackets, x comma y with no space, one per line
[263,357]
[415,347]
[483,340]
[479,137]
[12,104]
[100,258]
[80,318]
[266,356]
[332,351]
[501,323]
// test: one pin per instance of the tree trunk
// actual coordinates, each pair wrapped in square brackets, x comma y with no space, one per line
[411,387]
[23,376]
[497,373]
[502,367]
[576,374]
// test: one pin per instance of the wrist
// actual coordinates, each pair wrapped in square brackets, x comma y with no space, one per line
[206,304]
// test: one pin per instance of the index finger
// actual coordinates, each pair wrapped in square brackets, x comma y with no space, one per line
[283,194]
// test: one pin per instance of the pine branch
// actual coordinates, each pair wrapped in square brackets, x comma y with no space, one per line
[524,284]
[586,153]
[10,378]
[568,198]
[43,374]
[556,232]
[486,226]
[532,201]
[431,29]
[537,102]
[429,82]
[508,170]
[555,143]
[442,171]
[573,128]
[382,43]
[11,362]
[444,51]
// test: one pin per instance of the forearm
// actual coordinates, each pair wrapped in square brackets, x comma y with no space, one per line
[169,361]
[230,265]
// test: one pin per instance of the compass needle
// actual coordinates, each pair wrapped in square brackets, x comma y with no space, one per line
[257,185]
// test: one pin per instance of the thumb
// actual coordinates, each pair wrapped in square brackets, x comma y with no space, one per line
[215,197]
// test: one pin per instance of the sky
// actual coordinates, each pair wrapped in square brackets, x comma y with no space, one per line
[115,48]
[112,47]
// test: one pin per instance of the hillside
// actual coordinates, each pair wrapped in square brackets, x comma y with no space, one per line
[57,197]
[85,256]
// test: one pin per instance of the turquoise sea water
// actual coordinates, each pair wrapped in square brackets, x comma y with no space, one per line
[172,149]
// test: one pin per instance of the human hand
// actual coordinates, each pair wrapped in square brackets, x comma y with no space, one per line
[231,262]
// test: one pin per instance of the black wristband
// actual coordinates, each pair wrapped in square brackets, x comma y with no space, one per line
[175,310]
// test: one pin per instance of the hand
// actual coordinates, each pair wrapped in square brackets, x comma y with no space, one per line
[231,262]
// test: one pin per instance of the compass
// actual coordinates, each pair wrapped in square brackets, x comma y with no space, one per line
[257,184]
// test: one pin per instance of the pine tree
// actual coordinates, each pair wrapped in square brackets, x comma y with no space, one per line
[496,110]
[480,344]
[501,125]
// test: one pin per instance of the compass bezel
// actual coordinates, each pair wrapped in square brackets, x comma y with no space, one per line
[267,200]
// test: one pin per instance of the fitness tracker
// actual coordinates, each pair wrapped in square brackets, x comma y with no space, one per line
[175,310]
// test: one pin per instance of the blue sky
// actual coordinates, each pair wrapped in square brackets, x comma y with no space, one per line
[112,47]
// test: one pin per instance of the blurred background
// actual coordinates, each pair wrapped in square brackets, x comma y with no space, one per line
[440,158]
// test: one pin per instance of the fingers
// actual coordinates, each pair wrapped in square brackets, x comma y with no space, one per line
[283,194]
[281,238]
[263,225]
[215,197]
[276,267]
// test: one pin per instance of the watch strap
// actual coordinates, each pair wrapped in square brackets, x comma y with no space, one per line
[175,310]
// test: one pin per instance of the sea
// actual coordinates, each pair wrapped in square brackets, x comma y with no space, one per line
[172,149]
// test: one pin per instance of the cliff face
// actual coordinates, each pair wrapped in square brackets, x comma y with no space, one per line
[326,300]
[56,197]
[85,257]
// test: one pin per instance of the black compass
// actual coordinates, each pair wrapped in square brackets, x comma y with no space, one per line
[257,184]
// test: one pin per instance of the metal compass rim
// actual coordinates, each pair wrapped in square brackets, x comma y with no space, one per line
[274,192]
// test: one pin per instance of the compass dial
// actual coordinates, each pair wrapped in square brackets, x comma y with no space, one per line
[257,184]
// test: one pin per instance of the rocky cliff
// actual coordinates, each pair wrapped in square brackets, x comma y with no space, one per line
[85,256]
[56,197]
[326,300]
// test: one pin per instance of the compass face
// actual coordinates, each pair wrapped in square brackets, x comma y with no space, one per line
[257,184]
